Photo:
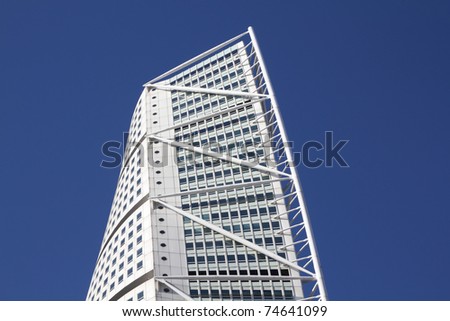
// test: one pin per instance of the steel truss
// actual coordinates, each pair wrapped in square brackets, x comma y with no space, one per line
[280,165]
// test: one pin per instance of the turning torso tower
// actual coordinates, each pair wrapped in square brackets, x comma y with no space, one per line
[208,204]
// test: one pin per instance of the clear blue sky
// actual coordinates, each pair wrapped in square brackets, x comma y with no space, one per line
[374,72]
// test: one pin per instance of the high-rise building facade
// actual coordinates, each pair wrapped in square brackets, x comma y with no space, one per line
[208,204]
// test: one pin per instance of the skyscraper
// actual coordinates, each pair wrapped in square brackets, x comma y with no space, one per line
[208,204]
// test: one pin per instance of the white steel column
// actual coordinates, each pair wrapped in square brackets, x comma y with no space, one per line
[234,237]
[175,289]
[206,91]
[224,157]
[309,232]
[196,58]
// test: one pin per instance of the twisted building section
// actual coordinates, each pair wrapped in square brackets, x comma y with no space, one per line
[208,204]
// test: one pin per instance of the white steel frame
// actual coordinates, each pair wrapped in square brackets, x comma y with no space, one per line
[306,266]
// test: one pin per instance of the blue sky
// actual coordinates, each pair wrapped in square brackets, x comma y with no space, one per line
[376,73]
